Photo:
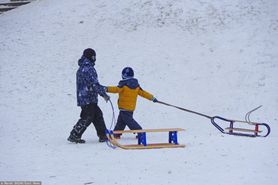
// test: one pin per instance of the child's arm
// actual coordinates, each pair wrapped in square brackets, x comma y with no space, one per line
[113,89]
[145,94]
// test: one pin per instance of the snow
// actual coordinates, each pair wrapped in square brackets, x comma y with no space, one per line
[214,57]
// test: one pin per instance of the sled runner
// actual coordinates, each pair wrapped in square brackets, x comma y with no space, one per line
[142,139]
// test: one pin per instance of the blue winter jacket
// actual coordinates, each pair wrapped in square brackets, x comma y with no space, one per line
[87,83]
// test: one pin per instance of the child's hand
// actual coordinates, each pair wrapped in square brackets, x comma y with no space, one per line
[154,100]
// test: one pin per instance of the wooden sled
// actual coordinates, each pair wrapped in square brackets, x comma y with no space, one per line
[142,139]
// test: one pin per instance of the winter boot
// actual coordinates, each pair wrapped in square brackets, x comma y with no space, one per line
[75,140]
[77,131]
[102,139]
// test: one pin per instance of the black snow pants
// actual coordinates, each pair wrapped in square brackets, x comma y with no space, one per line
[90,113]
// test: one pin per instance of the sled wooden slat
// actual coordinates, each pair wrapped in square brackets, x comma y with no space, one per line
[149,146]
[148,130]
[242,130]
[154,146]
[142,139]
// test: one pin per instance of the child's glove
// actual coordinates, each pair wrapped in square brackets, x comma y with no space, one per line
[154,100]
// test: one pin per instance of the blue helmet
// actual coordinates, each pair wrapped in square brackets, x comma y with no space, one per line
[127,73]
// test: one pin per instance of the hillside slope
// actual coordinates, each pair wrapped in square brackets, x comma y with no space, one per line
[215,57]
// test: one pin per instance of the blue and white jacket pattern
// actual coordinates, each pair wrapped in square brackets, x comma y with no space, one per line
[87,83]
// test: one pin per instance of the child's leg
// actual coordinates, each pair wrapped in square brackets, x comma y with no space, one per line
[129,121]
[120,125]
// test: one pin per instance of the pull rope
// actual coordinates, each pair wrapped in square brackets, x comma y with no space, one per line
[247,116]
[187,110]
[113,121]
[113,115]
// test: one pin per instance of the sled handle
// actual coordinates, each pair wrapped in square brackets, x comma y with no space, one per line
[221,118]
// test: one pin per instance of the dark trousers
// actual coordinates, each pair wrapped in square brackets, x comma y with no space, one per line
[90,113]
[125,118]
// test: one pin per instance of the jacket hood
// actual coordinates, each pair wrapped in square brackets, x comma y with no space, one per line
[84,61]
[130,82]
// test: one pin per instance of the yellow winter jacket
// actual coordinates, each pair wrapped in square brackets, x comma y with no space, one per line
[128,90]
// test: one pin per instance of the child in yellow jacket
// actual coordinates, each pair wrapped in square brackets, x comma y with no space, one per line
[128,90]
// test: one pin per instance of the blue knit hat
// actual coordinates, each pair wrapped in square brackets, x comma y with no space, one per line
[127,73]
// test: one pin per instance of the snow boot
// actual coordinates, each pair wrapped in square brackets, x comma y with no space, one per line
[75,140]
[77,131]
[102,139]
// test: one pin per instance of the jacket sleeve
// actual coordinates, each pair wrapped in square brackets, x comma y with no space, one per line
[145,94]
[92,80]
[113,89]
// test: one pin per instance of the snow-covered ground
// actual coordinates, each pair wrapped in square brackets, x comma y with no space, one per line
[214,57]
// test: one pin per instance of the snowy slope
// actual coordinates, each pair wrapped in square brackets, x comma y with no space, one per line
[215,57]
